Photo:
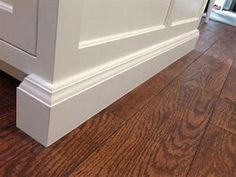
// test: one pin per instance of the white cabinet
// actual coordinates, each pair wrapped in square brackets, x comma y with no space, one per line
[18,23]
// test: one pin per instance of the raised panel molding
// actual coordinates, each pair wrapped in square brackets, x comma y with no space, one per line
[182,22]
[108,18]
[116,37]
[100,50]
[187,15]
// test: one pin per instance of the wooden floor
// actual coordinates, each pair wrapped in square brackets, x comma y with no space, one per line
[182,122]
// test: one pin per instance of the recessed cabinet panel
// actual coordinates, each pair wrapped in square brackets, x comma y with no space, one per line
[18,23]
[103,18]
[186,9]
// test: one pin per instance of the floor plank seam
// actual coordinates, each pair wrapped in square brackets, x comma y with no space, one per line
[200,142]
[208,123]
[222,128]
[226,78]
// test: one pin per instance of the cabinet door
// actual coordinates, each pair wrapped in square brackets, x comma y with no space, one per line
[18,23]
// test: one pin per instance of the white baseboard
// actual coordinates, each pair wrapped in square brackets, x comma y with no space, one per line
[47,111]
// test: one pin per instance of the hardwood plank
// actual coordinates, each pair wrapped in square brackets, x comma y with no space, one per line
[175,120]
[6,105]
[221,52]
[178,96]
[206,40]
[132,102]
[215,32]
[22,156]
[223,49]
[178,146]
[216,27]
[225,116]
[207,73]
[216,156]
[234,65]
[180,65]
[229,90]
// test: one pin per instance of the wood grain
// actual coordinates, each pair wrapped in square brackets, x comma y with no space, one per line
[225,115]
[223,49]
[176,148]
[20,154]
[229,91]
[176,120]
[206,40]
[207,73]
[216,156]
[180,65]
[132,102]
[128,105]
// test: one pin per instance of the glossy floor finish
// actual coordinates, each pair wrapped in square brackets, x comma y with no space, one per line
[182,122]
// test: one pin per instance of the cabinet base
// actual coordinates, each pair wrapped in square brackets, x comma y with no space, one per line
[48,111]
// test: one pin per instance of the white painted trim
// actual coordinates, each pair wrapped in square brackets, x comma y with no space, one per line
[57,109]
[121,36]
[6,7]
[16,57]
[209,10]
[167,21]
[185,21]
[65,89]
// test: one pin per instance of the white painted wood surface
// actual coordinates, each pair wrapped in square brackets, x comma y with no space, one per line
[209,10]
[18,19]
[89,53]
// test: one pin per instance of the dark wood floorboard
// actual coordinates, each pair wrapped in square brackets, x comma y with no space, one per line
[159,140]
[216,156]
[181,122]
[229,91]
[26,157]
[208,73]
[211,69]
[225,115]
[132,102]
[206,40]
